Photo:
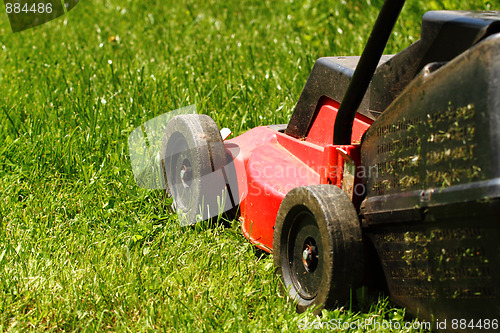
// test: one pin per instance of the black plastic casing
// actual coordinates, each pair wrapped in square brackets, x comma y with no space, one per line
[432,158]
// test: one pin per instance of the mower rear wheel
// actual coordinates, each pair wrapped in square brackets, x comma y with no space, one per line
[317,246]
[193,156]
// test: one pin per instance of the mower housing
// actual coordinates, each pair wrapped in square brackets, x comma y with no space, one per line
[432,208]
[422,168]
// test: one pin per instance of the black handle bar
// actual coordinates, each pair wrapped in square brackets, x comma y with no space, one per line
[364,70]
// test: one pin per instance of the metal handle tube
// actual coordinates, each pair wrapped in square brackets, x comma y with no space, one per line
[364,70]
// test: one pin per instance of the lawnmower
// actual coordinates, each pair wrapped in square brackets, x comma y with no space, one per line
[389,161]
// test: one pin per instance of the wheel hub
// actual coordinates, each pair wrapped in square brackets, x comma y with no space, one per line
[186,174]
[304,263]
[310,255]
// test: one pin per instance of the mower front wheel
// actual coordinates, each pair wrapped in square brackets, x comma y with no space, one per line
[193,157]
[317,246]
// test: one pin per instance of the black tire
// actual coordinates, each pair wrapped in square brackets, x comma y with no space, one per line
[193,158]
[317,247]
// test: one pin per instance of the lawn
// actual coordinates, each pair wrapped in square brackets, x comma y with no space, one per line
[82,248]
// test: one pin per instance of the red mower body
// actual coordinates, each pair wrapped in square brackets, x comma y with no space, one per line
[270,163]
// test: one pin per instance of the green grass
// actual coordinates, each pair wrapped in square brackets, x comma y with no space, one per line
[82,248]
